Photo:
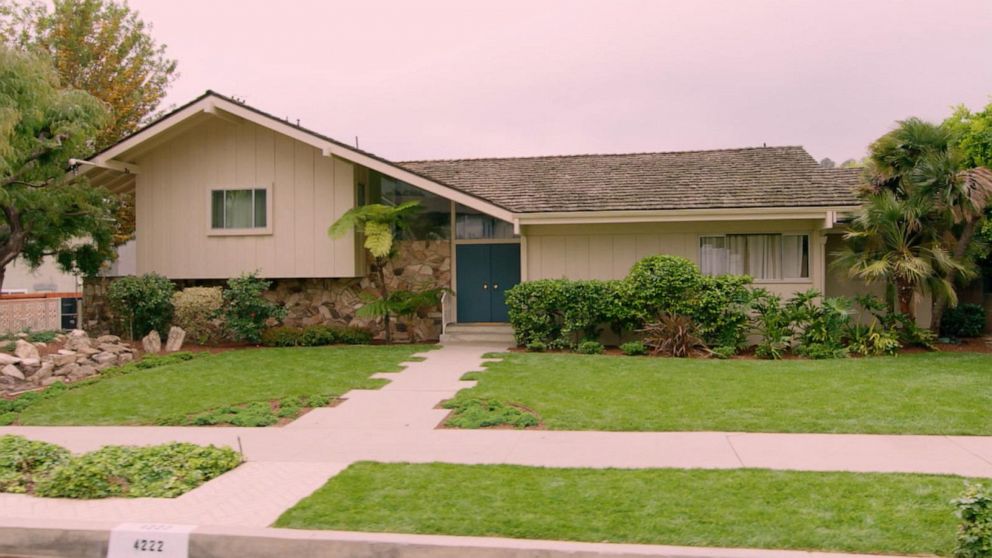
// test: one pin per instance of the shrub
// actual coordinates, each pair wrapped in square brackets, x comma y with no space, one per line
[964,320]
[974,512]
[773,324]
[149,362]
[197,310]
[22,460]
[723,352]
[350,335]
[560,312]
[664,284]
[318,335]
[246,312]
[484,413]
[282,336]
[820,328]
[143,303]
[721,308]
[590,348]
[315,336]
[872,340]
[673,335]
[634,348]
[537,347]
[163,471]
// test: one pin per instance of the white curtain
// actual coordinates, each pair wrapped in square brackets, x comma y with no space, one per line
[764,256]
[737,254]
[795,256]
[713,255]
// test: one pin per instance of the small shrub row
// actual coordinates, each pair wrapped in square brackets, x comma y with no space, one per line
[163,471]
[964,320]
[149,302]
[315,335]
[254,414]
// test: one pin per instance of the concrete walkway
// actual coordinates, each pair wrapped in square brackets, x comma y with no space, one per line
[399,423]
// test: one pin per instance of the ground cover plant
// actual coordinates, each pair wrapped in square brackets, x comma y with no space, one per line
[163,471]
[877,513]
[190,391]
[922,393]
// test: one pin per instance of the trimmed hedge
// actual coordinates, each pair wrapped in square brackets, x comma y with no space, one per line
[562,313]
[315,336]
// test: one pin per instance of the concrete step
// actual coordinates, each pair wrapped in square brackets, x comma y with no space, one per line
[499,334]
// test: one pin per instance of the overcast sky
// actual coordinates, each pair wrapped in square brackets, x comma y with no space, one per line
[432,79]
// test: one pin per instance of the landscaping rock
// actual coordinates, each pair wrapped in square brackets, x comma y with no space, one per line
[62,359]
[77,339]
[124,357]
[105,358]
[30,363]
[152,343]
[175,341]
[50,380]
[88,351]
[24,350]
[67,369]
[12,371]
[108,339]
[43,373]
[6,359]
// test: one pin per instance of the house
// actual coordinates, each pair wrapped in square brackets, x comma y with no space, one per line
[222,188]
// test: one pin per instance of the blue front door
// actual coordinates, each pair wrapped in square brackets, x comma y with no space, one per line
[485,272]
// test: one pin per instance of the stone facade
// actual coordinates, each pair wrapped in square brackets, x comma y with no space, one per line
[419,264]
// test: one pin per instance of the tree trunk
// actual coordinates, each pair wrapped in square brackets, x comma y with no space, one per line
[905,292]
[16,236]
[960,249]
[384,293]
[3,271]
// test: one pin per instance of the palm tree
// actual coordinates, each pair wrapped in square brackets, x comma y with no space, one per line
[922,208]
[378,223]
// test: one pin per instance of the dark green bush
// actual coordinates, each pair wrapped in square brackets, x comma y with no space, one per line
[964,320]
[723,352]
[142,303]
[349,335]
[590,348]
[537,347]
[246,311]
[318,335]
[634,348]
[974,512]
[661,284]
[315,336]
[282,336]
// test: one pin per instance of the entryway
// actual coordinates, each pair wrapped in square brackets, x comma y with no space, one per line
[484,273]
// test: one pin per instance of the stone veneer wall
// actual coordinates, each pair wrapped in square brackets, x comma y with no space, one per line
[418,264]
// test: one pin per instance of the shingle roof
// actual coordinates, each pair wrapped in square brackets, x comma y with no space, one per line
[726,178]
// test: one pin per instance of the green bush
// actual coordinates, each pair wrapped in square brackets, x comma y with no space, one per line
[634,348]
[148,362]
[661,284]
[974,512]
[282,336]
[246,312]
[723,352]
[485,413]
[163,471]
[537,347]
[964,320]
[872,340]
[315,336]
[197,310]
[23,460]
[590,348]
[318,335]
[142,303]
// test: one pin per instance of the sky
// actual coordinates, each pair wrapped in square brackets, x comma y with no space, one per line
[454,79]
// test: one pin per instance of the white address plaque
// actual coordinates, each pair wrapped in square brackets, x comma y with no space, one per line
[162,540]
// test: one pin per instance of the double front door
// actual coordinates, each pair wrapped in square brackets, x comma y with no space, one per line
[485,272]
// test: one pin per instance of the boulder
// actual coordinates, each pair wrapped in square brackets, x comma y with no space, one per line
[125,357]
[30,363]
[43,373]
[89,351]
[50,380]
[105,358]
[175,341]
[12,371]
[77,339]
[108,339]
[112,348]
[6,359]
[152,343]
[63,359]
[66,370]
[24,350]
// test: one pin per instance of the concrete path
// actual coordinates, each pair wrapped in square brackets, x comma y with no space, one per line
[399,423]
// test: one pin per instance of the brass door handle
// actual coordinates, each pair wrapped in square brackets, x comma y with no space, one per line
[485,285]
[495,286]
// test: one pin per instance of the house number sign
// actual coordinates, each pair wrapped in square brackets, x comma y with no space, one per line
[162,540]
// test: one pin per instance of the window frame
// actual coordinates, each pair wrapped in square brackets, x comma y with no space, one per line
[242,231]
[809,254]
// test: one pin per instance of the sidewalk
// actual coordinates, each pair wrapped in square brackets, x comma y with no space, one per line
[399,423]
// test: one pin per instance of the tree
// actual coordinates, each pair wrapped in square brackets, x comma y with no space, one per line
[922,208]
[827,163]
[379,224]
[45,211]
[98,46]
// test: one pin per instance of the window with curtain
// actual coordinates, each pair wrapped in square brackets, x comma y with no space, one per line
[239,209]
[762,256]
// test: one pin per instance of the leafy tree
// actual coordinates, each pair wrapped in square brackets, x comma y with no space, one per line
[43,210]
[378,223]
[827,163]
[923,204]
[99,46]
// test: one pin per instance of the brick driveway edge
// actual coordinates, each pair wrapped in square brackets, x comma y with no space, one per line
[79,539]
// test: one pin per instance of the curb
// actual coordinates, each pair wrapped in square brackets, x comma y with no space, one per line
[79,539]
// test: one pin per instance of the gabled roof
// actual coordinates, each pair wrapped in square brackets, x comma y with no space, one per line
[753,177]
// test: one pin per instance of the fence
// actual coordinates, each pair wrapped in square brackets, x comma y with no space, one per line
[38,312]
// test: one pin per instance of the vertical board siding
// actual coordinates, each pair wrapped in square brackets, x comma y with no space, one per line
[307,191]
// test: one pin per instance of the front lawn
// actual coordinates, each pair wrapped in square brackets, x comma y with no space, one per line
[175,392]
[932,393]
[854,512]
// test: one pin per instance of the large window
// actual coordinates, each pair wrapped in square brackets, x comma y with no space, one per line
[762,256]
[431,223]
[239,209]
[475,225]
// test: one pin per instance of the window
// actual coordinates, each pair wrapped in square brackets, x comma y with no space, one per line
[239,209]
[432,222]
[474,225]
[762,256]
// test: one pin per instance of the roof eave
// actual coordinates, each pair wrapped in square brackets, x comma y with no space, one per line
[827,213]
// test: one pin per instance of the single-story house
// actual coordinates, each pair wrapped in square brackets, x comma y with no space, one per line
[223,188]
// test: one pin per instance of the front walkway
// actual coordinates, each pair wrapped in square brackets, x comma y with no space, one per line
[399,423]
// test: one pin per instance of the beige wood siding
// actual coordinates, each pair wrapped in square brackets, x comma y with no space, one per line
[609,251]
[306,190]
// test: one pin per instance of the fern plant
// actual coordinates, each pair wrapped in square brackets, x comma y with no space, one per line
[673,335]
[401,304]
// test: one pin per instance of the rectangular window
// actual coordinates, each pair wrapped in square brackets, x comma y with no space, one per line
[239,209]
[762,256]
[474,225]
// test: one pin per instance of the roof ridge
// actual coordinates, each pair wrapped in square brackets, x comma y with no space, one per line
[576,155]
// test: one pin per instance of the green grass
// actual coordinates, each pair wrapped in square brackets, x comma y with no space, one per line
[893,513]
[174,391]
[933,393]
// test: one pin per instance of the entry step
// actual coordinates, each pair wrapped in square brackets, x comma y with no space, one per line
[478,333]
